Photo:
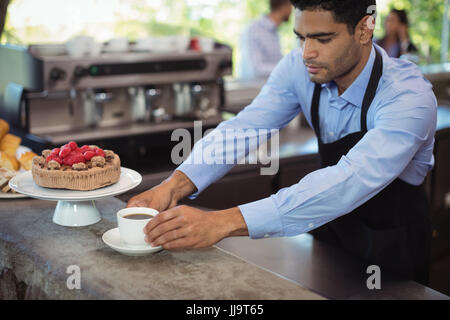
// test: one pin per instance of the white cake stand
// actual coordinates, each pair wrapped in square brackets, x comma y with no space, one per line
[75,208]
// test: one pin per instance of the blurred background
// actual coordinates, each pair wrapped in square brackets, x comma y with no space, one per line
[50,21]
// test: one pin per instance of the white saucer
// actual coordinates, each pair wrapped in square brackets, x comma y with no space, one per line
[112,239]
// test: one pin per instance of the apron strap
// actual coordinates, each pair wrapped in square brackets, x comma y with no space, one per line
[315,109]
[375,77]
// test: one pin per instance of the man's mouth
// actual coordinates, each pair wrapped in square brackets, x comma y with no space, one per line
[313,69]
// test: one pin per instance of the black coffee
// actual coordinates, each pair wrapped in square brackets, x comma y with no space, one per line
[138,216]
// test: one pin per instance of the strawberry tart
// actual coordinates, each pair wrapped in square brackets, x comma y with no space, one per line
[76,168]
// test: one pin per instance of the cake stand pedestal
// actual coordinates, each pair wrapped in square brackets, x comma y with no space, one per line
[76,213]
[75,208]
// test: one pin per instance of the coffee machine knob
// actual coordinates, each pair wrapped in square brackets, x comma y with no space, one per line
[57,74]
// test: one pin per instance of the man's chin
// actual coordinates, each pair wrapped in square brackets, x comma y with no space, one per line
[318,79]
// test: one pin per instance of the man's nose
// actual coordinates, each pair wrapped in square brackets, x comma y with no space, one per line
[309,50]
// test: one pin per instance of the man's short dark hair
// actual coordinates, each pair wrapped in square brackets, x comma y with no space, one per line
[349,12]
[277,4]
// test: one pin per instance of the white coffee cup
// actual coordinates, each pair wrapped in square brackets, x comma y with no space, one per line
[96,49]
[117,45]
[132,230]
[206,44]
[79,46]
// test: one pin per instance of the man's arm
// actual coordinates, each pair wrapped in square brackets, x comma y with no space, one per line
[274,107]
[381,156]
[185,227]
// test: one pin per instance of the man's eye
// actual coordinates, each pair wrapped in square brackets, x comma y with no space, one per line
[324,40]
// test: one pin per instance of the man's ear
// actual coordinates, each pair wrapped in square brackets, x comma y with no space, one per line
[364,30]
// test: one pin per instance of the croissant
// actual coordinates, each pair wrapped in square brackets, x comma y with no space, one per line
[26,160]
[8,162]
[5,176]
[4,128]
[9,144]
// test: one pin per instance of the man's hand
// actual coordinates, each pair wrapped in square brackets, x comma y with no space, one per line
[185,227]
[159,198]
[403,33]
[165,195]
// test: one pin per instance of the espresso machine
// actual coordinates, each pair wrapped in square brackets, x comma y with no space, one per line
[129,102]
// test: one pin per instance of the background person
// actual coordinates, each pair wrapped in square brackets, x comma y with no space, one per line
[260,42]
[396,41]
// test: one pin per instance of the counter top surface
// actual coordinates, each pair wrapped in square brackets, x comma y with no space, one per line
[39,253]
[324,269]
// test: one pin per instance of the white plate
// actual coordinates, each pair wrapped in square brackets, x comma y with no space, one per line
[112,239]
[10,195]
[24,183]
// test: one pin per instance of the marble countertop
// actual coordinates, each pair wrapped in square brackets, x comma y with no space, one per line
[40,252]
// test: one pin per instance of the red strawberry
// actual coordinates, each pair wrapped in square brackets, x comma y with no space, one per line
[88,155]
[64,152]
[73,145]
[85,148]
[100,152]
[75,152]
[79,158]
[55,158]
[77,155]
[68,161]
[56,151]
[72,159]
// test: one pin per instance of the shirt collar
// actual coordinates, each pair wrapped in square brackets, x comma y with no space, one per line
[355,93]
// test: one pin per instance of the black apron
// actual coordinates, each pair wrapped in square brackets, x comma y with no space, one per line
[391,230]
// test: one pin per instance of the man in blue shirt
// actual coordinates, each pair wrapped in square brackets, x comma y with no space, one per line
[375,119]
[260,42]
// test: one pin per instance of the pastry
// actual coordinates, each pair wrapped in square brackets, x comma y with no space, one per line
[70,167]
[6,189]
[9,144]
[8,162]
[4,128]
[5,176]
[26,160]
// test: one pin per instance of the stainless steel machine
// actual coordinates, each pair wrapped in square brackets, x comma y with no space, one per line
[128,101]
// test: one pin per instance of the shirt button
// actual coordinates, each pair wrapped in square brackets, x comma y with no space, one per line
[266,235]
[331,134]
[311,225]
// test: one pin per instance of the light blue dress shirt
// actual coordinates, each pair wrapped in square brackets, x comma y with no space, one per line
[401,125]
